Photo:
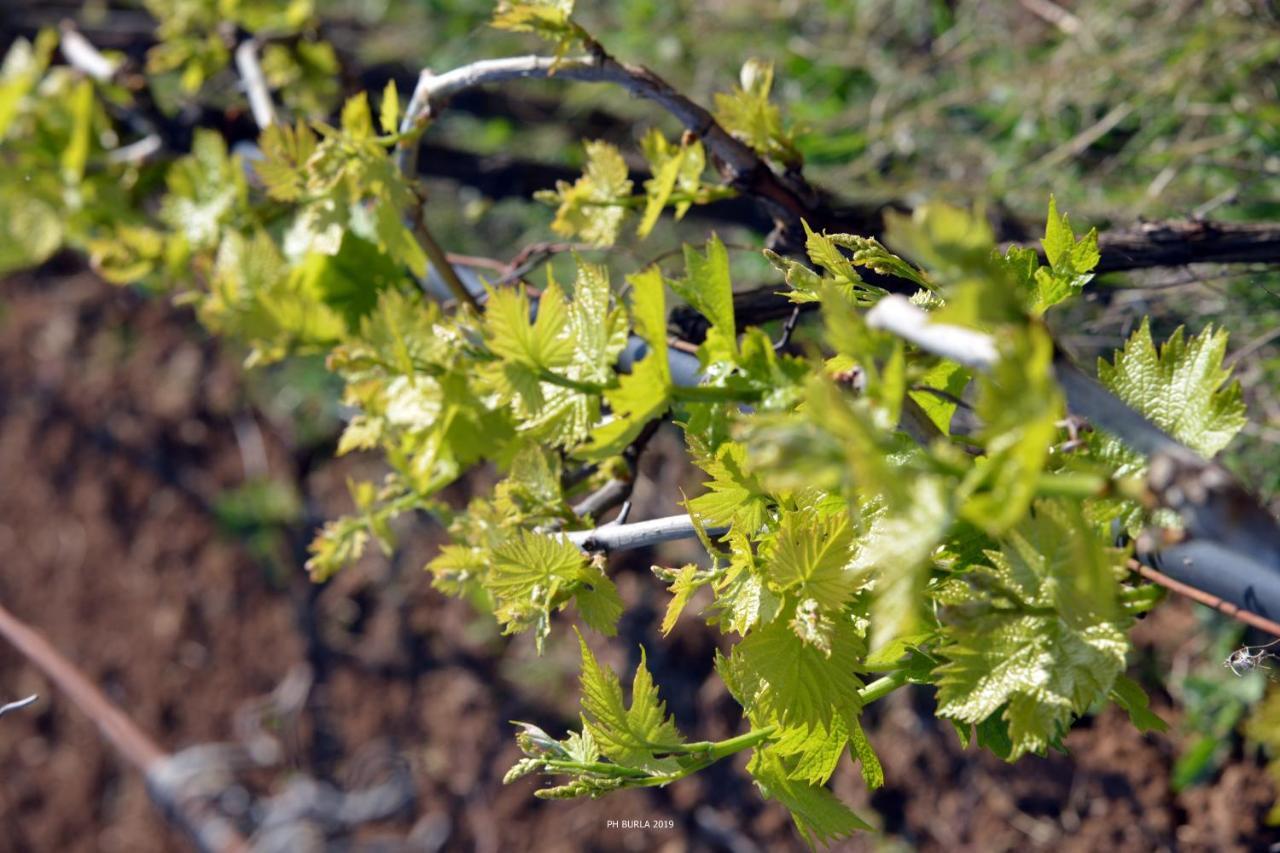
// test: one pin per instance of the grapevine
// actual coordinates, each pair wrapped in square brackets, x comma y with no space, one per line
[898,489]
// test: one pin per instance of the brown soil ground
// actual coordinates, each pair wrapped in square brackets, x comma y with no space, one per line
[118,425]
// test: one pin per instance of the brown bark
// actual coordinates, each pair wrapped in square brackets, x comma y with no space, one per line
[1175,243]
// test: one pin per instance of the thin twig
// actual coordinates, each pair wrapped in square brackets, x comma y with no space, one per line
[440,261]
[788,199]
[603,499]
[475,262]
[116,728]
[681,345]
[416,114]
[1060,18]
[1226,607]
[1076,146]
[942,395]
[532,255]
[210,830]
[1251,347]
[618,490]
[1228,196]
[788,328]
[406,161]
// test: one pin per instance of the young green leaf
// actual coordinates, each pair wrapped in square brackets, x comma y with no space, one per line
[818,815]
[389,112]
[1071,262]
[686,583]
[1040,636]
[533,574]
[706,286]
[645,392]
[675,168]
[810,754]
[1020,406]
[549,19]
[796,683]
[747,113]
[357,119]
[743,600]
[1128,694]
[1182,388]
[811,558]
[824,252]
[869,253]
[526,349]
[734,494]
[947,382]
[206,190]
[868,761]
[598,600]
[286,151]
[75,156]
[894,556]
[541,343]
[634,736]
[23,66]
[593,207]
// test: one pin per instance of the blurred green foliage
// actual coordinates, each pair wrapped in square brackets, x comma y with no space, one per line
[1134,108]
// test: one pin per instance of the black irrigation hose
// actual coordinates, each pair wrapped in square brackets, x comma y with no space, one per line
[1232,545]
[1227,574]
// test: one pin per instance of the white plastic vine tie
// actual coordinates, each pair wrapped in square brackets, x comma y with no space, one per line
[899,315]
